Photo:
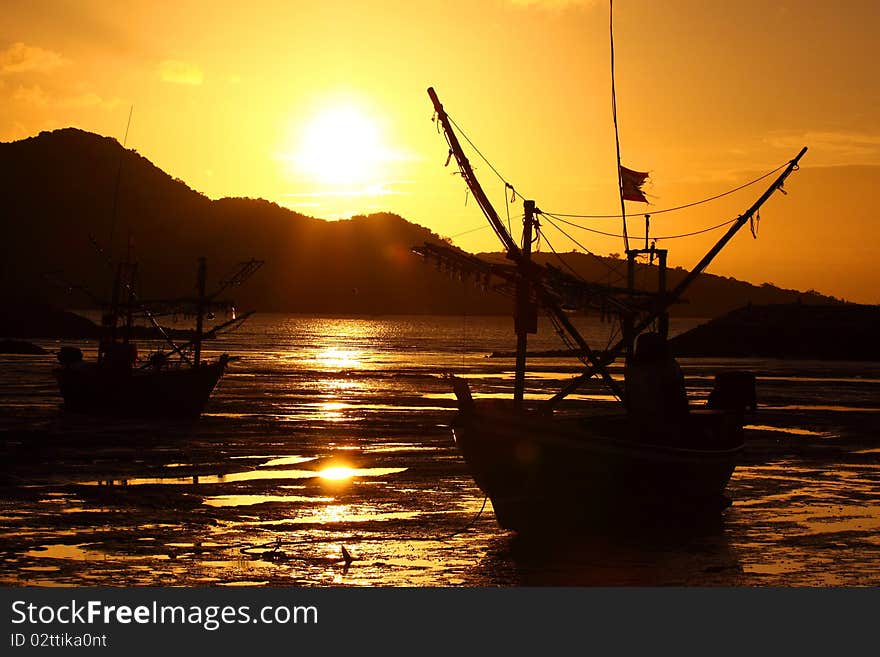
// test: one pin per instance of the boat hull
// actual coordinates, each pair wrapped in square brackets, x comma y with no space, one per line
[541,472]
[172,392]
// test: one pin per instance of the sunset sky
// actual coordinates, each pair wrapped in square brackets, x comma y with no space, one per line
[321,107]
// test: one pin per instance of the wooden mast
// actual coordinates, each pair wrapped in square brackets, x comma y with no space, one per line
[679,289]
[200,310]
[473,184]
[525,267]
[525,317]
[110,319]
[129,308]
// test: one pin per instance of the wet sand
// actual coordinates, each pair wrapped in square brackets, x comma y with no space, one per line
[296,459]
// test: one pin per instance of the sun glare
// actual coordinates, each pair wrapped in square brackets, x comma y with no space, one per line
[340,146]
[337,473]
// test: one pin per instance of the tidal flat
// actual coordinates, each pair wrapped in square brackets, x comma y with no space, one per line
[325,458]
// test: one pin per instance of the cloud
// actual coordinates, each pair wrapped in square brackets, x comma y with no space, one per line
[21,58]
[376,189]
[553,5]
[832,147]
[178,72]
[89,99]
[14,132]
[35,95]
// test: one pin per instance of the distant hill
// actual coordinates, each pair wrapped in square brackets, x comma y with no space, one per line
[838,332]
[57,190]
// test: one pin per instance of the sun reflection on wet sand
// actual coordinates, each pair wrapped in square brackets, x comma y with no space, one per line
[337,514]
[351,418]
[81,552]
[792,430]
[339,358]
[251,500]
[251,475]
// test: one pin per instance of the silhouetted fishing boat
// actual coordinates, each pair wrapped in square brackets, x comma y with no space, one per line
[172,381]
[657,453]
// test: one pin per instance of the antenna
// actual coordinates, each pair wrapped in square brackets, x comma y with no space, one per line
[116,188]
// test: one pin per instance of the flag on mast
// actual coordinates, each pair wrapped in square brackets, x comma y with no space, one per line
[631,184]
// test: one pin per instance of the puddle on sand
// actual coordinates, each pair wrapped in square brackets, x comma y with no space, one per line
[250,500]
[287,460]
[250,475]
[338,514]
[244,583]
[792,430]
[81,553]
[820,407]
[810,520]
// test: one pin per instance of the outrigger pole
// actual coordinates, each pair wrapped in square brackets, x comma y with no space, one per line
[679,289]
[467,172]
[528,270]
[146,311]
[525,319]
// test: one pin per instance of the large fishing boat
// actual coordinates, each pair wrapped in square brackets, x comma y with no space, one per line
[170,381]
[657,452]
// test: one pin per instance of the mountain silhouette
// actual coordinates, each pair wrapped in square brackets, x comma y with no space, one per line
[59,197]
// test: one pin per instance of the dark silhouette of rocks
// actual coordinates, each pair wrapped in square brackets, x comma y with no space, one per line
[31,320]
[36,320]
[798,331]
[57,192]
[21,347]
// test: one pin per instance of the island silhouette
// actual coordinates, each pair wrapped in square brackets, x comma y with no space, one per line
[58,195]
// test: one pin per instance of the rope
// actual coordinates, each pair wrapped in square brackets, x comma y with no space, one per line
[507,205]
[480,153]
[616,133]
[678,207]
[495,229]
[470,230]
[560,258]
[600,259]
[697,232]
[658,238]
[118,177]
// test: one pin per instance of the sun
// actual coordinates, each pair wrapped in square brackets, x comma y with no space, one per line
[340,146]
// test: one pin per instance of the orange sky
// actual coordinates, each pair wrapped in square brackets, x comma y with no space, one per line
[239,99]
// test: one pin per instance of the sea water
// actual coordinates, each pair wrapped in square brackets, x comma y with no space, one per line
[325,457]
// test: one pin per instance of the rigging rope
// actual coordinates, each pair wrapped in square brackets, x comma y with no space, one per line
[655,238]
[616,133]
[507,205]
[118,178]
[610,269]
[480,153]
[678,207]
[470,230]
[615,326]
[560,258]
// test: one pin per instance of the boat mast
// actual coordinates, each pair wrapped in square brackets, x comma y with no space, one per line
[129,307]
[668,299]
[113,316]
[525,318]
[526,268]
[200,310]
[467,172]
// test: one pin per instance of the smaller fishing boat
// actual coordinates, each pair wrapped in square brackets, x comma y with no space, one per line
[171,381]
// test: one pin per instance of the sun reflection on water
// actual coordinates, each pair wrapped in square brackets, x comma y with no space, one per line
[343,473]
[336,474]
[340,358]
